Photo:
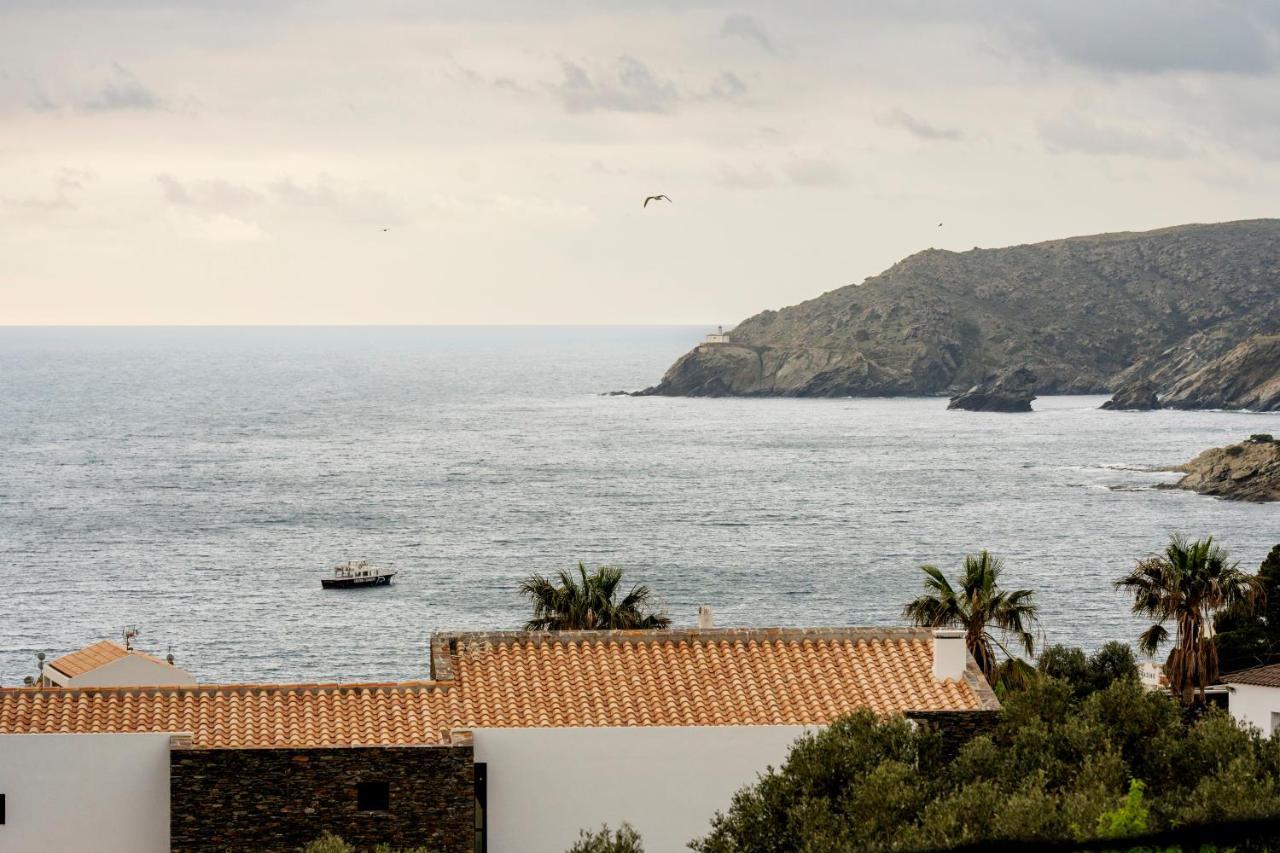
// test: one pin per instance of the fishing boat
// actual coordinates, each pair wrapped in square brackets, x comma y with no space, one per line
[357,573]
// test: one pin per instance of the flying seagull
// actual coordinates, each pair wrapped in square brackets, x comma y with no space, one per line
[386,229]
[655,198]
[939,224]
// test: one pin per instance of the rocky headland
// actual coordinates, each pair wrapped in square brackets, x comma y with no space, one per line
[1090,314]
[1249,471]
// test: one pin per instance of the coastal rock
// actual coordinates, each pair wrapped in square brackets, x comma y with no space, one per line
[1010,391]
[1249,471]
[1137,396]
[1085,314]
[720,370]
[1247,377]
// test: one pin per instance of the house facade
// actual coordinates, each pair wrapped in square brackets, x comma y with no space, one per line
[514,743]
[1254,697]
[109,664]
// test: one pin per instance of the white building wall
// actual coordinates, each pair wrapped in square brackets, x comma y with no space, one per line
[107,793]
[1252,704]
[132,671]
[546,784]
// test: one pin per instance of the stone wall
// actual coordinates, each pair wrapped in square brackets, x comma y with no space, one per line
[280,799]
[957,727]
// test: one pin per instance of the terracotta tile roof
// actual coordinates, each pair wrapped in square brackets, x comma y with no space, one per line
[239,716]
[1262,676]
[89,658]
[625,678]
[718,677]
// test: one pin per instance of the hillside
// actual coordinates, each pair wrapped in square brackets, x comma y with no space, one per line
[1084,314]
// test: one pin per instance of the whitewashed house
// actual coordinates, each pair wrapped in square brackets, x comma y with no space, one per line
[1254,697]
[512,744]
[109,664]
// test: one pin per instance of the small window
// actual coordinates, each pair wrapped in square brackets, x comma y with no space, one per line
[1,809]
[1275,728]
[373,796]
[482,800]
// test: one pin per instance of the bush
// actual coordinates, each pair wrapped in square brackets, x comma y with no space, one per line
[1059,766]
[622,840]
[1261,438]
[1111,663]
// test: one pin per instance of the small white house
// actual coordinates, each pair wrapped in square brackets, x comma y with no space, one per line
[109,664]
[1254,697]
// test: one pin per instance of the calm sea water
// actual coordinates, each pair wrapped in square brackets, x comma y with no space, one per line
[197,482]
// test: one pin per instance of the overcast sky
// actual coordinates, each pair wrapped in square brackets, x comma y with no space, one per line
[237,161]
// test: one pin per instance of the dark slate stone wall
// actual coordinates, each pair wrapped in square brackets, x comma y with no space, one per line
[280,799]
[957,727]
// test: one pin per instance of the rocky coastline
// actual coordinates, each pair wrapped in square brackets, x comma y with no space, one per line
[1249,471]
[1087,315]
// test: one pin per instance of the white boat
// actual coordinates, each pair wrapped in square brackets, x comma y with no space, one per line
[357,573]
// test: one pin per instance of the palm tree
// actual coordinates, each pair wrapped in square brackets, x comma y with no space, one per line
[1187,584]
[977,607]
[589,602]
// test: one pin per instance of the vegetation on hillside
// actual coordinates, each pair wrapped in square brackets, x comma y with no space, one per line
[1060,766]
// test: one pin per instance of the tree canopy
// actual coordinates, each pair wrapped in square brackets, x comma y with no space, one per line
[1059,766]
[1187,585]
[589,602]
[981,607]
[1250,636]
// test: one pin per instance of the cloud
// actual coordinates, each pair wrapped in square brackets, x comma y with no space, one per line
[339,201]
[218,228]
[750,177]
[123,92]
[919,128]
[1157,36]
[728,87]
[748,29]
[215,195]
[631,88]
[1083,135]
[66,184]
[816,173]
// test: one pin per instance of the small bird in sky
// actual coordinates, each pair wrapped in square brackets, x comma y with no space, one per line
[655,198]
[386,229]
[939,224]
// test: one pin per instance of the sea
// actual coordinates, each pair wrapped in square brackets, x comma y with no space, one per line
[195,483]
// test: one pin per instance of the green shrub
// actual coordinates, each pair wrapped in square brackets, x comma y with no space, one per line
[604,840]
[1060,765]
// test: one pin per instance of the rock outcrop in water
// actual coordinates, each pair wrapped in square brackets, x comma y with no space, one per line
[1137,396]
[1011,391]
[1249,471]
[1085,314]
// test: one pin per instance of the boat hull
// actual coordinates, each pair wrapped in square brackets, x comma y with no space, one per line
[356,583]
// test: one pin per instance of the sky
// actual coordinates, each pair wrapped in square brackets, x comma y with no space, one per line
[465,161]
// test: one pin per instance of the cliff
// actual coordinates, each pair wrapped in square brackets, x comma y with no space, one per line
[1249,471]
[1084,314]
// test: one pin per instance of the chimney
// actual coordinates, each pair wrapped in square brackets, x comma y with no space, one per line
[950,656]
[706,619]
